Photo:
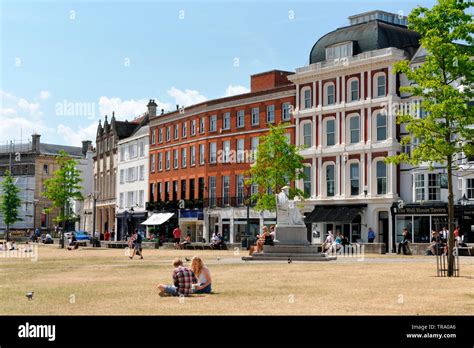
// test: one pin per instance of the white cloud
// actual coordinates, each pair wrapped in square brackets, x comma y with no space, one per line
[44,95]
[187,97]
[126,109]
[74,137]
[19,118]
[234,90]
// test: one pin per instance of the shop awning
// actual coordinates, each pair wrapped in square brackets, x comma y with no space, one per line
[158,218]
[335,213]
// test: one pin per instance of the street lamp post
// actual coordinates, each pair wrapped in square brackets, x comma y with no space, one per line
[463,200]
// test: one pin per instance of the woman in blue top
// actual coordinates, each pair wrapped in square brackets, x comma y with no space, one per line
[203,276]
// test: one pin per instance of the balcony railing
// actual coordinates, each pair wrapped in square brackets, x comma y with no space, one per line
[217,202]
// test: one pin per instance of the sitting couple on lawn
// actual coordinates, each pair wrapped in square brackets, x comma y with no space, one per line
[188,281]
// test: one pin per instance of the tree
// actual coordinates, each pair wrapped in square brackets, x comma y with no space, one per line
[9,202]
[444,82]
[277,163]
[64,187]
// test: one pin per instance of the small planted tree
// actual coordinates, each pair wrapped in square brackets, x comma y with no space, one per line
[277,164]
[444,83]
[9,202]
[64,187]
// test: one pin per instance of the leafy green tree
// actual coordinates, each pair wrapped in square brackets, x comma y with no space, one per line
[9,202]
[64,187]
[277,163]
[444,83]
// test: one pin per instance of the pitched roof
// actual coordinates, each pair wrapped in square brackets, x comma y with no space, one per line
[124,128]
[53,149]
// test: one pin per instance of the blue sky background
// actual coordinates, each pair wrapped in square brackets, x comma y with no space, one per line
[178,52]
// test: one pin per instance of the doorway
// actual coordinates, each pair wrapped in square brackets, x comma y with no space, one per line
[383,229]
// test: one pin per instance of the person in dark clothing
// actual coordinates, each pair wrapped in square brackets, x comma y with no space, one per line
[404,243]
[136,244]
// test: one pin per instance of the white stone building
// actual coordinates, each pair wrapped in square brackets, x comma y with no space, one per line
[132,181]
[343,118]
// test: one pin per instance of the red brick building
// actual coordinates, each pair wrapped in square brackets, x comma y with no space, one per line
[200,153]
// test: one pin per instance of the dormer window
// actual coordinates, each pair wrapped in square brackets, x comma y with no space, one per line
[339,51]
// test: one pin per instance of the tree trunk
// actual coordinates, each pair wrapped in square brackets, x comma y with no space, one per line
[451,226]
[7,232]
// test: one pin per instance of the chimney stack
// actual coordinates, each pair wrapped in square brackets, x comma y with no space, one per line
[177,107]
[152,108]
[86,144]
[35,142]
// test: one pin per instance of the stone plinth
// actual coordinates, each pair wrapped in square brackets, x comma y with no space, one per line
[292,234]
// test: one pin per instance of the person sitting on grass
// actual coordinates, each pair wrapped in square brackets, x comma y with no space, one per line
[183,279]
[13,246]
[72,242]
[187,241]
[202,273]
[28,247]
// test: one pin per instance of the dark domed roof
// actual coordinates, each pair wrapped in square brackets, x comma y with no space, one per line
[368,36]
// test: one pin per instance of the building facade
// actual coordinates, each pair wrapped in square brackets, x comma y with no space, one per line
[105,170]
[32,163]
[199,156]
[132,186]
[343,119]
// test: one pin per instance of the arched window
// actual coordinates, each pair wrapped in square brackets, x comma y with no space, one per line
[381,174]
[353,90]
[354,129]
[330,180]
[330,93]
[380,85]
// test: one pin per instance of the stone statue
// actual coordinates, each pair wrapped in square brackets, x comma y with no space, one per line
[287,211]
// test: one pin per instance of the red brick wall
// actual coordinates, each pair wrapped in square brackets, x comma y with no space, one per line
[269,80]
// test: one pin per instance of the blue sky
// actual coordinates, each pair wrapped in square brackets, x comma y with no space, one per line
[66,64]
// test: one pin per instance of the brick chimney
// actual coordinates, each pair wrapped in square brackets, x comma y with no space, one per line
[152,108]
[35,142]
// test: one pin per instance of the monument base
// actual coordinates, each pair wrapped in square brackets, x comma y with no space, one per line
[291,244]
[291,234]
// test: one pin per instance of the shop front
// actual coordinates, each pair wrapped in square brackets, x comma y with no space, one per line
[127,222]
[191,221]
[345,219]
[421,219]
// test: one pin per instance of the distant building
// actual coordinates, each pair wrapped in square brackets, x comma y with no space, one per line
[32,163]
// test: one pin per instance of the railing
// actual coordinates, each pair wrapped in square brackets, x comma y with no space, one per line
[218,202]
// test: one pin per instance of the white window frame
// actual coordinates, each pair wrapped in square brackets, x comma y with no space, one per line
[304,99]
[351,179]
[160,135]
[226,151]
[304,126]
[213,123]
[168,160]
[202,154]
[255,116]
[325,180]
[175,158]
[240,150]
[184,129]
[192,155]
[326,93]
[213,152]
[419,193]
[375,84]
[350,130]
[349,90]
[193,127]
[202,125]
[226,121]
[325,128]
[152,163]
[240,118]
[286,111]
[160,161]
[184,157]
[271,112]
[176,131]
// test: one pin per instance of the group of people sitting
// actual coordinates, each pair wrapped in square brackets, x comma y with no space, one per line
[187,281]
[439,241]
[11,246]
[334,244]
[217,241]
[264,238]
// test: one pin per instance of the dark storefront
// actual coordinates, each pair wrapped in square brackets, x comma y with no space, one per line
[128,221]
[420,219]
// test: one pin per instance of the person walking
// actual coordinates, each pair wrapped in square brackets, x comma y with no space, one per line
[371,235]
[177,236]
[136,244]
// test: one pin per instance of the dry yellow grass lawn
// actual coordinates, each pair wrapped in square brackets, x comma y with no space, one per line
[105,281]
